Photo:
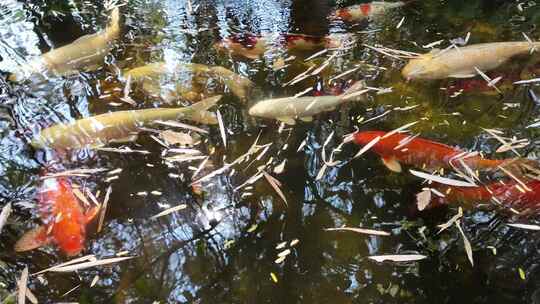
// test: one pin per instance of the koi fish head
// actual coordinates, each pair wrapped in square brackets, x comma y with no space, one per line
[425,66]
[63,218]
[258,110]
[70,236]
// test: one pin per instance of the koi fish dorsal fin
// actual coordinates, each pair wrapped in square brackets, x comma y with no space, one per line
[392,164]
[92,213]
[33,239]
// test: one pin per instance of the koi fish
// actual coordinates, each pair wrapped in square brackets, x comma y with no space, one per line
[359,12]
[509,194]
[287,109]
[152,74]
[85,53]
[64,220]
[400,148]
[464,62]
[101,129]
[252,46]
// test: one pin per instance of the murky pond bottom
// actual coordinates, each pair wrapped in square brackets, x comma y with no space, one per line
[235,208]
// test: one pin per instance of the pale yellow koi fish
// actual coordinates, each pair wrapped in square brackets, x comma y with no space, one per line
[288,109]
[155,77]
[102,129]
[464,62]
[86,53]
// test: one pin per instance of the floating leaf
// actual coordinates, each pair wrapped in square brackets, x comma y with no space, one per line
[398,258]
[423,198]
[360,230]
[173,138]
[275,184]
[442,180]
[466,243]
[6,211]
[274,277]
[252,228]
[521,273]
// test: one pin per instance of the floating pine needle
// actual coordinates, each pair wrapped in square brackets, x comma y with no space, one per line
[104,209]
[525,226]
[222,129]
[367,146]
[442,180]
[276,185]
[450,221]
[169,211]
[360,230]
[398,258]
[90,264]
[23,280]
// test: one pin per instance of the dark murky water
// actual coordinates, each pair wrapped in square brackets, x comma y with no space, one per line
[222,247]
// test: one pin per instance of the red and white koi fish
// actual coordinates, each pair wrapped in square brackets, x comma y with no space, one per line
[253,46]
[64,220]
[401,148]
[359,12]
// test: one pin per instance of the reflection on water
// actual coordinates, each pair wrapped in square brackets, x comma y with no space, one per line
[223,246]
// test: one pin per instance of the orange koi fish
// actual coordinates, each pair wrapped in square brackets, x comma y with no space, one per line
[64,220]
[509,194]
[401,148]
[364,11]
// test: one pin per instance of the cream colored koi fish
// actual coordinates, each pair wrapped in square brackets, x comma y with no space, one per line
[153,76]
[101,129]
[85,53]
[288,109]
[464,62]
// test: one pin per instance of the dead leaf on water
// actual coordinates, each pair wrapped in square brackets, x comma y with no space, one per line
[173,138]
[6,211]
[423,198]
[398,258]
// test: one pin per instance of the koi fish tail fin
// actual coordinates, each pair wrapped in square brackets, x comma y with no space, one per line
[199,111]
[521,166]
[113,28]
[32,239]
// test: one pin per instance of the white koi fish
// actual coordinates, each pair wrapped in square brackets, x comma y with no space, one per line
[85,53]
[153,76]
[464,62]
[101,129]
[288,109]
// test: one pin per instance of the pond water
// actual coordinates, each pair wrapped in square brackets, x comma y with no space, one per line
[222,243]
